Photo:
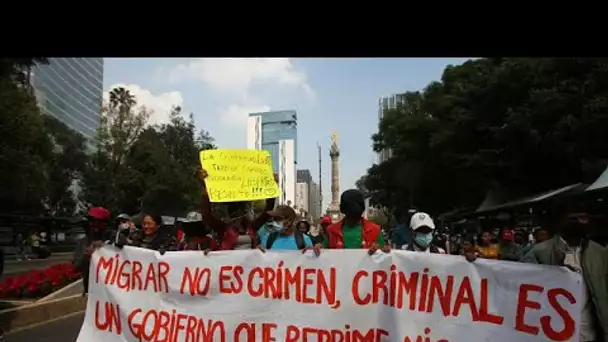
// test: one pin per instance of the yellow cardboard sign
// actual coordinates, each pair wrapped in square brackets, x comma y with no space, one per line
[239,175]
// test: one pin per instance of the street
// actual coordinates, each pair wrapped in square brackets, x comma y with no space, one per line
[14,267]
[61,330]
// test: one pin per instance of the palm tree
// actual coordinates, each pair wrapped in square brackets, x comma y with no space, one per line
[122,97]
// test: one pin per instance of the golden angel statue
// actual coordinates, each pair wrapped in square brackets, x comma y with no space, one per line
[334,138]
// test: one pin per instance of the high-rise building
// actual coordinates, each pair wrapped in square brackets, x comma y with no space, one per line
[302,206]
[277,132]
[303,192]
[71,90]
[385,104]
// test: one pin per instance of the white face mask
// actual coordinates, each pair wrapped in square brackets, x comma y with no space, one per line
[123,226]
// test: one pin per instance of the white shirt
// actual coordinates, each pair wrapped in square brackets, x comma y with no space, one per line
[573,259]
[427,250]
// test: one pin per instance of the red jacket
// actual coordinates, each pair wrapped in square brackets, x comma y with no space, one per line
[369,234]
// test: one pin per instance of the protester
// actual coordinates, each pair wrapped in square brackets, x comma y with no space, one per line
[19,244]
[401,235]
[239,229]
[520,237]
[124,229]
[319,235]
[507,248]
[422,227]
[304,227]
[486,249]
[35,243]
[539,235]
[96,232]
[285,235]
[354,231]
[152,236]
[196,236]
[572,248]
[467,247]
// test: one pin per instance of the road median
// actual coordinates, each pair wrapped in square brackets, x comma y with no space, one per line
[57,304]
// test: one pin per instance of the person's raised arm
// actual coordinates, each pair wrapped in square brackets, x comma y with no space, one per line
[208,218]
[259,221]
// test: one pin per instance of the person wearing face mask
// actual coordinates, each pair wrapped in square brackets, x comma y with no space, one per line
[572,247]
[422,227]
[284,235]
[354,231]
[123,231]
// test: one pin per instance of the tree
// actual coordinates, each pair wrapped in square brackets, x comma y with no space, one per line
[527,124]
[63,169]
[172,151]
[122,121]
[138,167]
[24,144]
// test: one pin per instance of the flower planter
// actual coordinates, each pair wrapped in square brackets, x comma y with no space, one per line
[38,283]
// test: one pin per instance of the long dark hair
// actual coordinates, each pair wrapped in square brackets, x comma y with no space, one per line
[158,219]
[306,223]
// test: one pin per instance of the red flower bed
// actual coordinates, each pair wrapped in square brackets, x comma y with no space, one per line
[38,283]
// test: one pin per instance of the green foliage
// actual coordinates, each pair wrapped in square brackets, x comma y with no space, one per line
[43,163]
[149,168]
[525,124]
[63,169]
[24,144]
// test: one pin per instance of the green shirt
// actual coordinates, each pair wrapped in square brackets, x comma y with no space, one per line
[353,239]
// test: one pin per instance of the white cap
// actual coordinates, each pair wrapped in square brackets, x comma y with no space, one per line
[124,216]
[193,216]
[421,220]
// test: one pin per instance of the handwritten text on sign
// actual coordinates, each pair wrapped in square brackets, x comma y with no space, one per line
[239,175]
[343,296]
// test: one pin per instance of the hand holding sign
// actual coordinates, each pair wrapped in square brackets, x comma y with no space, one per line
[238,175]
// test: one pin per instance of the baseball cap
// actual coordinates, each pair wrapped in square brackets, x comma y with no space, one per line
[99,213]
[193,216]
[325,220]
[421,220]
[283,211]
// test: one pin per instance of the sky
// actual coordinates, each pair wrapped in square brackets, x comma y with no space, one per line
[329,95]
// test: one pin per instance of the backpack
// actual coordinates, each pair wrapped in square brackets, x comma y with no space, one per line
[298,235]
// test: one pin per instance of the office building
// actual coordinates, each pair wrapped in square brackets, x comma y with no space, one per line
[71,90]
[303,191]
[385,104]
[277,132]
[302,200]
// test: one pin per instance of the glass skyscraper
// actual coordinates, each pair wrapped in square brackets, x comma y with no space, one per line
[277,132]
[71,90]
[385,104]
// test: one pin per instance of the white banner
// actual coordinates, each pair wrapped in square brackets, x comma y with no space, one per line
[340,296]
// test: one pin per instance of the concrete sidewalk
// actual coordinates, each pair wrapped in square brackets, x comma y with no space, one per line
[63,329]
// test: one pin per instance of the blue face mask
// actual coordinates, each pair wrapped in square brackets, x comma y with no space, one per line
[423,240]
[274,226]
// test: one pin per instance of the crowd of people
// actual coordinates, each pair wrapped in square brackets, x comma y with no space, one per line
[567,241]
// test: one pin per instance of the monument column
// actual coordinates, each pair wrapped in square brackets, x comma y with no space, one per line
[334,154]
